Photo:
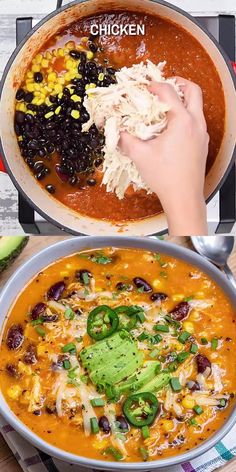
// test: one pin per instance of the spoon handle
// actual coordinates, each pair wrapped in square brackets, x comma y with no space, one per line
[230,275]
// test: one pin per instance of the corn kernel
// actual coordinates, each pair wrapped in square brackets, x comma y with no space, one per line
[100,444]
[57,111]
[48,55]
[24,369]
[34,101]
[64,273]
[35,68]
[194,315]
[90,86]
[69,64]
[101,76]
[47,102]
[42,350]
[90,55]
[67,77]
[157,283]
[20,138]
[37,87]
[14,392]
[177,346]
[75,98]
[60,95]
[168,425]
[52,77]
[30,112]
[22,107]
[58,88]
[51,85]
[188,402]
[45,63]
[49,115]
[54,52]
[60,52]
[61,80]
[30,75]
[44,91]
[75,114]
[177,297]
[188,326]
[70,45]
[30,87]
[38,59]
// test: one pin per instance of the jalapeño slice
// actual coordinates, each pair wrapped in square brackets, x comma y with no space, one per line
[141,409]
[102,322]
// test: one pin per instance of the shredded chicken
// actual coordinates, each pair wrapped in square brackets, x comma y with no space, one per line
[127,106]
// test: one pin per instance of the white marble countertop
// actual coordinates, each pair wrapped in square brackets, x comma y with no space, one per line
[9,10]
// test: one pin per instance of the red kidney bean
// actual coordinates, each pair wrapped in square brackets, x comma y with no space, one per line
[202,363]
[122,422]
[15,337]
[104,424]
[181,311]
[13,371]
[56,290]
[51,408]
[30,355]
[38,310]
[59,364]
[141,283]
[158,296]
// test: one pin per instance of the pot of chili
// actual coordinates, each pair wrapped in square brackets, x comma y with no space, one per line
[87,208]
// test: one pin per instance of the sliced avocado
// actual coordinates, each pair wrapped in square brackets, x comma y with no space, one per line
[102,351]
[111,360]
[156,384]
[117,369]
[139,379]
[10,248]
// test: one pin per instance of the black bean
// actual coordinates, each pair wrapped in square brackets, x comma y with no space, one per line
[42,152]
[62,173]
[79,274]
[40,175]
[98,162]
[38,310]
[181,311]
[38,166]
[202,363]
[142,284]
[29,97]
[158,296]
[33,144]
[20,94]
[60,360]
[15,337]
[50,188]
[30,355]
[75,54]
[20,117]
[38,77]
[122,422]
[104,424]
[12,370]
[53,98]
[193,385]
[55,292]
[73,180]
[17,129]
[122,286]
[50,148]
[37,412]
[111,71]
[93,47]
[91,182]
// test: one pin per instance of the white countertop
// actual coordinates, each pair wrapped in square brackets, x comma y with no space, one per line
[9,10]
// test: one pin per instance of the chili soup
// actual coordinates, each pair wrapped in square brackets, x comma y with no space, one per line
[50,112]
[105,362]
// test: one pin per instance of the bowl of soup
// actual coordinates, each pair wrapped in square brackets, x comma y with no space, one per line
[58,167]
[118,353]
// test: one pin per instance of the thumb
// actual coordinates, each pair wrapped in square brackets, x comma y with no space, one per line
[132,147]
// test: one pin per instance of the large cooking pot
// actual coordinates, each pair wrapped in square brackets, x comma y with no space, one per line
[46,205]
[70,246]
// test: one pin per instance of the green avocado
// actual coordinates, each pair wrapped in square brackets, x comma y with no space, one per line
[160,381]
[139,379]
[10,248]
[111,360]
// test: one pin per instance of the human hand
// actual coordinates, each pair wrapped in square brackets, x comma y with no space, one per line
[173,164]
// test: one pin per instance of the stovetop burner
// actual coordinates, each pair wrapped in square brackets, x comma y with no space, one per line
[223,205]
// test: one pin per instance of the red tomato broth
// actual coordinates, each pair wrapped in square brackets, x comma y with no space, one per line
[163,41]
